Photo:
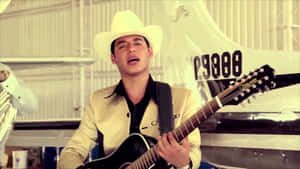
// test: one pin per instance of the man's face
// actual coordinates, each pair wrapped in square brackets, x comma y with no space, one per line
[132,55]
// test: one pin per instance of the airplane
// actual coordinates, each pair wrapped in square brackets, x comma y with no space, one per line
[261,133]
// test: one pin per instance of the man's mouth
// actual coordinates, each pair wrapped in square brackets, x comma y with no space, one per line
[134,60]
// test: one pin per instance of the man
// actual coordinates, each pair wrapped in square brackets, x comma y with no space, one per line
[130,46]
[18,99]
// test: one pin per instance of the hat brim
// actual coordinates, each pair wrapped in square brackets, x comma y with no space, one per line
[103,40]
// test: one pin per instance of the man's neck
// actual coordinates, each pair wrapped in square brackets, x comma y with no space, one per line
[135,87]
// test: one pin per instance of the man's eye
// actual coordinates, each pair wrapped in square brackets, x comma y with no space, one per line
[137,43]
[122,46]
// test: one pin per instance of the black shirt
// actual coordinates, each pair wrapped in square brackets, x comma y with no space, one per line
[137,111]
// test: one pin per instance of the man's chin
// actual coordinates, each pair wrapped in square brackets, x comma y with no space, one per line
[136,72]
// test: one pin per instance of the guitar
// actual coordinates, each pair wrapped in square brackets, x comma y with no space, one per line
[140,152]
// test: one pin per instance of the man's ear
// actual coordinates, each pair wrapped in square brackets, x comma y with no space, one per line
[150,49]
[113,58]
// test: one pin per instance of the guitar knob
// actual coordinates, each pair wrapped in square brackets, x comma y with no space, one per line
[254,86]
[236,98]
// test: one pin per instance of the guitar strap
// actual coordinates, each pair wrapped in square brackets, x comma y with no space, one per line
[165,108]
[163,99]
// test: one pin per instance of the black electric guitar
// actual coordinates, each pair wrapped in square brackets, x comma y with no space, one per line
[140,152]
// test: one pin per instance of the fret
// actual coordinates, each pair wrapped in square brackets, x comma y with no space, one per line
[181,132]
[187,129]
[210,108]
[197,117]
[155,153]
[203,115]
[149,156]
[152,153]
[176,135]
[147,162]
[190,125]
[143,164]
[139,164]
[191,122]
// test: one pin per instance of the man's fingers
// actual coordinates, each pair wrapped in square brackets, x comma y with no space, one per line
[172,139]
[185,143]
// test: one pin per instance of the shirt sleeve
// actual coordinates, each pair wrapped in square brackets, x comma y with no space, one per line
[81,143]
[23,99]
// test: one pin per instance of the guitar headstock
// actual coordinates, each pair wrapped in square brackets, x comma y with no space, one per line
[262,79]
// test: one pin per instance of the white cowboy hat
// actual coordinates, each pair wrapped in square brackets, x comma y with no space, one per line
[3,5]
[127,23]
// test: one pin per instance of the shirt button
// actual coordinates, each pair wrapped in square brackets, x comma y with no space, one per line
[128,114]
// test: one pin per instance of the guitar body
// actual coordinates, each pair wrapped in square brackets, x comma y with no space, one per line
[132,148]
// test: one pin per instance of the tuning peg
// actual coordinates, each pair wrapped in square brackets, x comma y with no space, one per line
[273,84]
[255,74]
[246,76]
[242,94]
[261,70]
[231,83]
[235,98]
[254,86]
[260,82]
[247,90]
[266,78]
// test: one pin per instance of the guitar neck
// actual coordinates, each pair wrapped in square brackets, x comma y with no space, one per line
[151,156]
[194,121]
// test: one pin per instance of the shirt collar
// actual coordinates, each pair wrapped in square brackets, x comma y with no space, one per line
[120,90]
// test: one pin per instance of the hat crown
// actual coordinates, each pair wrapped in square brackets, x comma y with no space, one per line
[125,21]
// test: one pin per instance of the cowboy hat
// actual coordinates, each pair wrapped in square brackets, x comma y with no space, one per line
[126,23]
[3,5]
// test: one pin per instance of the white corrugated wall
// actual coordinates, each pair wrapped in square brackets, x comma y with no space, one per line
[65,28]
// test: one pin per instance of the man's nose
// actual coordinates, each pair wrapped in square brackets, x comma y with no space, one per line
[132,48]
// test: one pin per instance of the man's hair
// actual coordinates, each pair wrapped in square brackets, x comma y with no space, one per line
[112,46]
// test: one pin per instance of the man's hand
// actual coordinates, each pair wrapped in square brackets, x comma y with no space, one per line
[173,152]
